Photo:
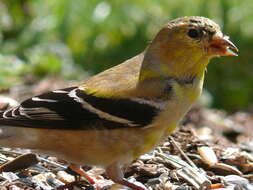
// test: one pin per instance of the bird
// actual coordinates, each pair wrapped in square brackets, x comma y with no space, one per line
[125,111]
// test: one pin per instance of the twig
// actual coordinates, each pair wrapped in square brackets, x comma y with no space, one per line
[182,153]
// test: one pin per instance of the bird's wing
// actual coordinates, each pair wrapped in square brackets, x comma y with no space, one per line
[73,108]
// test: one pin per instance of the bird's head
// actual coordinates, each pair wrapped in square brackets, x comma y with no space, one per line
[185,45]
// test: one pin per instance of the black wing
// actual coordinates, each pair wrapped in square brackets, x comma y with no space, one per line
[72,108]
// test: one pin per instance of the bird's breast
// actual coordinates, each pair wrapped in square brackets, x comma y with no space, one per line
[181,100]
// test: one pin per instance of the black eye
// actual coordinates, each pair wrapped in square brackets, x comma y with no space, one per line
[194,33]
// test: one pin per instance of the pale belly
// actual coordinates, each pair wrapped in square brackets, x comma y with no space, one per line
[93,147]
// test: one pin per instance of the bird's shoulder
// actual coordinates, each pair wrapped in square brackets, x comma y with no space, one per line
[118,81]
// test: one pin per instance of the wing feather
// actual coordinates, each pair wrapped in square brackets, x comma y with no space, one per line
[72,108]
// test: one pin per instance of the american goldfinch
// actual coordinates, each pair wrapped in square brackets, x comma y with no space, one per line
[125,111]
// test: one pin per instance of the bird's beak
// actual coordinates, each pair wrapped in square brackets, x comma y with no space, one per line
[220,45]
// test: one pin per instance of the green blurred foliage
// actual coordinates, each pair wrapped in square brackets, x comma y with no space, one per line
[73,38]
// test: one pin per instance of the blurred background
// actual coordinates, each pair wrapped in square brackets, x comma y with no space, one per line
[75,39]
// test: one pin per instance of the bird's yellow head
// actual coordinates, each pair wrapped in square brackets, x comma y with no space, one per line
[184,47]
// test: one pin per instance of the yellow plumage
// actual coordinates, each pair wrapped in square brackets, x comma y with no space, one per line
[125,111]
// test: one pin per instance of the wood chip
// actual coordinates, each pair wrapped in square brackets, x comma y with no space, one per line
[193,175]
[227,168]
[10,176]
[65,177]
[21,162]
[208,156]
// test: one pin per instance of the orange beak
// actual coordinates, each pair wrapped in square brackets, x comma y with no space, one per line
[221,46]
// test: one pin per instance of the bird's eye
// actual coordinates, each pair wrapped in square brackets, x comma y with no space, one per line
[194,33]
